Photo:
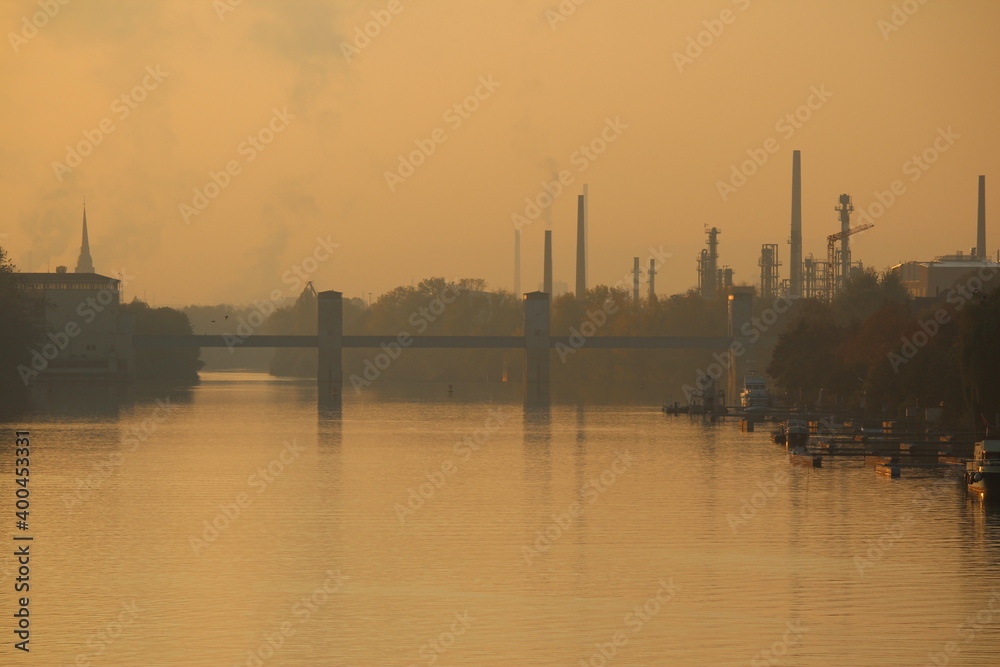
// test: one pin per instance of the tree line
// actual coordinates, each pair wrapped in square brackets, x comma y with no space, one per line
[876,350]
[873,349]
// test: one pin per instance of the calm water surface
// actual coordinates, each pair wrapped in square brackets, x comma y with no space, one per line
[244,526]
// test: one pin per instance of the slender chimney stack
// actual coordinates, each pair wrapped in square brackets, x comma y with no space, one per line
[547,280]
[581,247]
[517,263]
[586,230]
[635,280]
[795,260]
[981,222]
[652,279]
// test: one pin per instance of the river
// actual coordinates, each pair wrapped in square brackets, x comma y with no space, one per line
[239,524]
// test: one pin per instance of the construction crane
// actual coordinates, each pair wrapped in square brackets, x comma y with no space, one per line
[831,250]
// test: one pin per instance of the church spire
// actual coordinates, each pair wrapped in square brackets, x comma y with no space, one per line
[85,264]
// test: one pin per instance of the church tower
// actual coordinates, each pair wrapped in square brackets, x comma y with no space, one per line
[85,264]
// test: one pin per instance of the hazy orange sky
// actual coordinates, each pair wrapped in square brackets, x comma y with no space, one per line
[212,74]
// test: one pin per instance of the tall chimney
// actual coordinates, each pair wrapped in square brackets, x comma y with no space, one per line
[517,263]
[586,230]
[845,209]
[547,280]
[652,279]
[635,280]
[795,260]
[581,247]
[981,223]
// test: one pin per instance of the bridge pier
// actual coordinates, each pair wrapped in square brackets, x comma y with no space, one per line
[330,342]
[537,350]
[740,350]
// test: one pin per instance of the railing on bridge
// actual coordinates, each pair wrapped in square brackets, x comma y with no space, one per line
[537,343]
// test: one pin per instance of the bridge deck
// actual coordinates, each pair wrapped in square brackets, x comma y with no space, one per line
[440,342]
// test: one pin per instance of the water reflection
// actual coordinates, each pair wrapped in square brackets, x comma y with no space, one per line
[460,545]
[537,429]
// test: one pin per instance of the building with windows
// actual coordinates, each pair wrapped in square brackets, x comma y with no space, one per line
[85,331]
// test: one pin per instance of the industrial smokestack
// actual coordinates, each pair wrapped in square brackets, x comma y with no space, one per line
[795,260]
[547,279]
[981,222]
[635,280]
[652,279]
[586,230]
[517,263]
[581,247]
[845,209]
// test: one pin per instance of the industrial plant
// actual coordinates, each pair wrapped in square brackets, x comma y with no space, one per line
[821,278]
[806,276]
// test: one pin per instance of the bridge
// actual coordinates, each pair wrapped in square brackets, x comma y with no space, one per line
[439,342]
[536,342]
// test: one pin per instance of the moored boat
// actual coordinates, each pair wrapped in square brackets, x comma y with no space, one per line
[888,469]
[754,395]
[801,456]
[796,433]
[982,473]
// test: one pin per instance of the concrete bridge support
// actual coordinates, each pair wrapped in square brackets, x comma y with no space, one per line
[330,333]
[740,350]
[537,348]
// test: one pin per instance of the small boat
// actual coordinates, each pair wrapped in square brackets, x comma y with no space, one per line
[887,469]
[778,437]
[801,456]
[982,473]
[796,433]
[754,395]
